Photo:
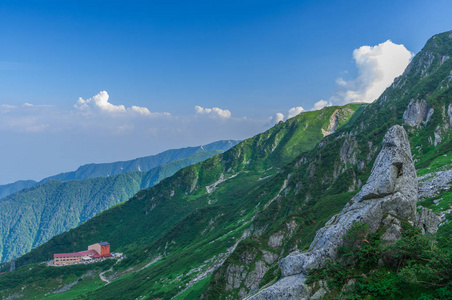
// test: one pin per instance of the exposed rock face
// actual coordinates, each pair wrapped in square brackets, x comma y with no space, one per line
[348,150]
[394,231]
[235,277]
[416,112]
[291,287]
[449,113]
[432,184]
[437,135]
[334,121]
[427,221]
[276,240]
[390,190]
[255,276]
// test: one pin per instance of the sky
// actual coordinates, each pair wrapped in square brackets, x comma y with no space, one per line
[101,81]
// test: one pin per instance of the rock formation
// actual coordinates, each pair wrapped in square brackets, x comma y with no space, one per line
[416,112]
[390,195]
[333,124]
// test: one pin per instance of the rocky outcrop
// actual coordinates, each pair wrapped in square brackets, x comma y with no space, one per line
[276,240]
[449,113]
[235,277]
[427,221]
[437,135]
[390,195]
[291,287]
[334,121]
[432,184]
[416,112]
[348,150]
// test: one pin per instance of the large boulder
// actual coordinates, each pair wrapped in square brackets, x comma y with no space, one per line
[391,190]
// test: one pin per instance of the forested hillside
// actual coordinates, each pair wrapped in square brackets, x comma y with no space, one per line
[141,164]
[225,184]
[217,229]
[32,216]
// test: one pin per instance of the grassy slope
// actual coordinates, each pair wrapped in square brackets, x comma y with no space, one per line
[158,222]
[316,190]
[316,186]
[33,216]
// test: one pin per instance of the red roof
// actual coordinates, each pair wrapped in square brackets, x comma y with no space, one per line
[82,253]
[105,255]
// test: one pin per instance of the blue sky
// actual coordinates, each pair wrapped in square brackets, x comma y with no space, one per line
[158,60]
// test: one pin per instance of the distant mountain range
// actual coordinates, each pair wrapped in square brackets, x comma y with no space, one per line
[141,164]
[222,228]
[33,215]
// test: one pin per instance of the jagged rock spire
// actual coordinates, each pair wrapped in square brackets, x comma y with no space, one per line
[390,190]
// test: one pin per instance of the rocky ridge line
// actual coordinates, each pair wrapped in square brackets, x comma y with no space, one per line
[388,197]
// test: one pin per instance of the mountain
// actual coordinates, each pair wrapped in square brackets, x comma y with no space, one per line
[380,209]
[203,189]
[217,229]
[11,188]
[32,216]
[141,164]
[322,181]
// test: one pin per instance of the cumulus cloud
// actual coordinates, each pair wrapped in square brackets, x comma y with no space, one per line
[294,111]
[213,112]
[100,102]
[141,110]
[321,104]
[378,66]
[278,118]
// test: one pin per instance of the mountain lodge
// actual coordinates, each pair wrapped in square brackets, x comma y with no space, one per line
[99,250]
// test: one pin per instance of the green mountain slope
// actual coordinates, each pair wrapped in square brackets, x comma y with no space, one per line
[33,216]
[141,164]
[218,228]
[222,185]
[322,181]
[11,188]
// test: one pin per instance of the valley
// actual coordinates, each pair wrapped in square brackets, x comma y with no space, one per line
[229,226]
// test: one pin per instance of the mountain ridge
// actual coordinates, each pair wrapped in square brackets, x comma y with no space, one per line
[139,164]
[33,215]
[217,229]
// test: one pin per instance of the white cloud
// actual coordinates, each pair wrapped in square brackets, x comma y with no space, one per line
[294,111]
[278,118]
[36,106]
[100,102]
[7,108]
[321,104]
[25,124]
[141,110]
[124,128]
[378,66]
[214,112]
